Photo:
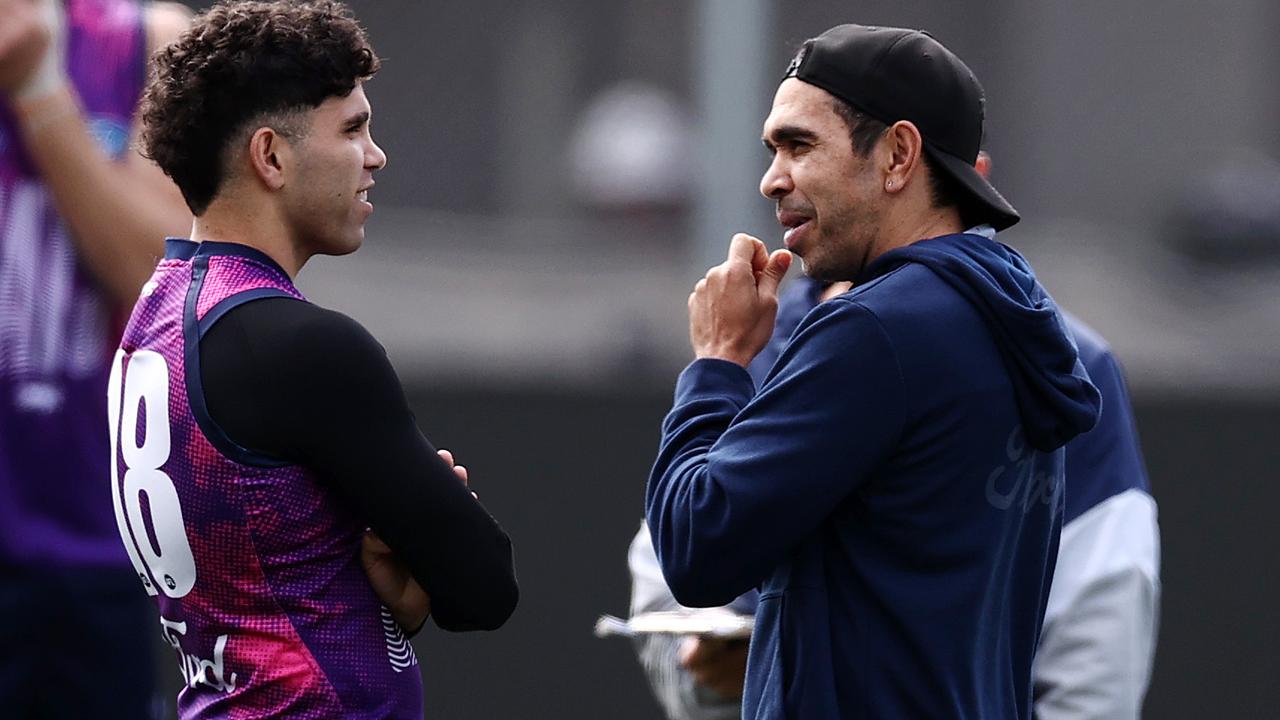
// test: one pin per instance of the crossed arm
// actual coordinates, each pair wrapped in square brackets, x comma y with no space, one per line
[311,386]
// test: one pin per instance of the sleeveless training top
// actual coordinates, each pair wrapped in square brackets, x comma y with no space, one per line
[254,565]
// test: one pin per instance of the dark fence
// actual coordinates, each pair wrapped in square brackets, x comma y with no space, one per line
[564,471]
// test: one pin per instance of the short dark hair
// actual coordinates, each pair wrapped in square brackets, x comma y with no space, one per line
[240,62]
[864,131]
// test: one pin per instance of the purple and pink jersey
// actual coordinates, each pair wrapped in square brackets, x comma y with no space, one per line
[56,328]
[253,564]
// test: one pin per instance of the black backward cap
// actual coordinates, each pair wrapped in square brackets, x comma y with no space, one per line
[897,74]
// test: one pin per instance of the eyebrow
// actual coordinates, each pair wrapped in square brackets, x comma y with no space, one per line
[788,134]
[357,120]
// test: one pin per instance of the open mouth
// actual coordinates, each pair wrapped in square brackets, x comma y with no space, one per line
[792,232]
[796,225]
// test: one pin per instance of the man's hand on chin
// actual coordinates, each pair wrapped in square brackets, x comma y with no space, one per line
[732,309]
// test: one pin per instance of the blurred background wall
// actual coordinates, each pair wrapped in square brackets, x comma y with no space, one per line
[558,177]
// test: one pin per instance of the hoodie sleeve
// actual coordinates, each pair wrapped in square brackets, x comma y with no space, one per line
[740,480]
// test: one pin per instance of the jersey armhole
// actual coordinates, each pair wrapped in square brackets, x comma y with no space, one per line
[193,331]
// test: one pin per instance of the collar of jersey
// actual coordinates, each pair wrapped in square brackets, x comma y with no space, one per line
[211,248]
[179,248]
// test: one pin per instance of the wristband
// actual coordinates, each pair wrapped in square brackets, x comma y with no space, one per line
[49,76]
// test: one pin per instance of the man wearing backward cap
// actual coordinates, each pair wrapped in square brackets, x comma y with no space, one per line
[894,487]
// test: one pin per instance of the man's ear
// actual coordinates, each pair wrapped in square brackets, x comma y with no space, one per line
[905,146]
[269,155]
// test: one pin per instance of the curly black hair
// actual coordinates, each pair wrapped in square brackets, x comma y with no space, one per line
[240,62]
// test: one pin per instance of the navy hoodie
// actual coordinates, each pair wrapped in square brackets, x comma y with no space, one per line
[894,489]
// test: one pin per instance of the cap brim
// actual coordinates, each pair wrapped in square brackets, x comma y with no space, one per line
[995,210]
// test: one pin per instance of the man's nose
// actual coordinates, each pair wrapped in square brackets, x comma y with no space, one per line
[375,158]
[776,182]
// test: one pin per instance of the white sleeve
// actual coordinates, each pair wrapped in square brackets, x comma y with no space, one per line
[649,591]
[1095,654]
[680,697]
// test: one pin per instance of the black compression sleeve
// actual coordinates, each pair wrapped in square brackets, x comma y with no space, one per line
[311,386]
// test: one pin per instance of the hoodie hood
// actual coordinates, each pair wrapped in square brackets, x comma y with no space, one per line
[1055,397]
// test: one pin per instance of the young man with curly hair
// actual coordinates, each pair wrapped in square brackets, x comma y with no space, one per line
[256,437]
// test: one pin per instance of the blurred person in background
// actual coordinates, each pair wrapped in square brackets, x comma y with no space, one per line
[895,487]
[82,220]
[286,436]
[1099,636]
